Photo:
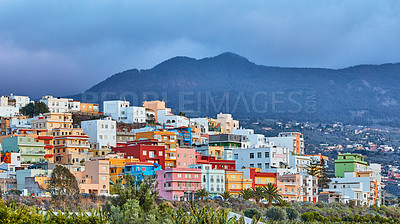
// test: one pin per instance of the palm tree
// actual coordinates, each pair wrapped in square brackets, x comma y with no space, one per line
[226,195]
[258,194]
[246,193]
[271,193]
[202,193]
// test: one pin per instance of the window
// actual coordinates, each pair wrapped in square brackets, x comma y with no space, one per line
[145,153]
[259,155]
[251,155]
[103,168]
[104,177]
[259,165]
[266,166]
[160,153]
[179,175]
[266,154]
[235,156]
[252,165]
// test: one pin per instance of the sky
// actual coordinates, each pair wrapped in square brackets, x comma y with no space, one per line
[65,47]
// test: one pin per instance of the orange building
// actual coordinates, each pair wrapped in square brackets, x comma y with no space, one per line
[235,183]
[71,146]
[89,108]
[154,105]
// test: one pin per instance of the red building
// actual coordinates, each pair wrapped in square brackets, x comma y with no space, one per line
[216,163]
[145,151]
[262,176]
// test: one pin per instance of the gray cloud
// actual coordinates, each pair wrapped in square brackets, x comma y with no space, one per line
[64,47]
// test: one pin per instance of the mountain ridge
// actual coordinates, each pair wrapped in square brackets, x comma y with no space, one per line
[361,92]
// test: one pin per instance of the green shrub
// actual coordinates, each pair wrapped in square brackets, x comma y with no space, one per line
[276,214]
[291,213]
[251,212]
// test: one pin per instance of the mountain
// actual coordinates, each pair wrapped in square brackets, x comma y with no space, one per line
[230,83]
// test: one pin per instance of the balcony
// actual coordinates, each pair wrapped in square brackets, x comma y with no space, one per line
[37,153]
[75,145]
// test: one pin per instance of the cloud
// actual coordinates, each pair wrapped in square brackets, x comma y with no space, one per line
[64,47]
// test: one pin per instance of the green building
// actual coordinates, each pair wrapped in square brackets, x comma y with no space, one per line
[348,162]
[31,151]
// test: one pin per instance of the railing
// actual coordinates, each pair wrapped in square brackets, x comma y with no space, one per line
[32,153]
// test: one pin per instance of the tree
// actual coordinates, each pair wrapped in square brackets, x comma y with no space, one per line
[202,193]
[182,114]
[258,194]
[34,109]
[319,170]
[64,186]
[246,194]
[292,214]
[271,193]
[252,213]
[63,182]
[276,214]
[226,195]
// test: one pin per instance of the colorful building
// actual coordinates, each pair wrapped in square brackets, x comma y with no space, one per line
[212,180]
[140,170]
[92,108]
[145,151]
[185,157]
[298,187]
[53,120]
[348,162]
[154,106]
[216,163]
[95,177]
[179,184]
[71,146]
[31,151]
[235,182]
[259,178]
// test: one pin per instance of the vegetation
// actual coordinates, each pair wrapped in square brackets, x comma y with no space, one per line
[252,212]
[202,193]
[64,187]
[226,195]
[275,214]
[269,192]
[34,109]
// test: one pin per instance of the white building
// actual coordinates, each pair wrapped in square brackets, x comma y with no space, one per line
[300,163]
[294,141]
[167,118]
[8,169]
[212,180]
[74,105]
[121,111]
[58,105]
[255,140]
[20,101]
[202,121]
[7,109]
[360,187]
[272,159]
[102,133]
[227,122]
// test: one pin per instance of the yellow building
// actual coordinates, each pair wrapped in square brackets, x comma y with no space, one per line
[51,121]
[235,183]
[71,146]
[196,134]
[166,137]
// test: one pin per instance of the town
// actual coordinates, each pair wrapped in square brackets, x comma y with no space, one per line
[190,158]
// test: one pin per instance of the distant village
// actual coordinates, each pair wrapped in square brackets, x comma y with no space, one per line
[185,154]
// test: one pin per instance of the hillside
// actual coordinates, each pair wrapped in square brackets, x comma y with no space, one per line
[231,83]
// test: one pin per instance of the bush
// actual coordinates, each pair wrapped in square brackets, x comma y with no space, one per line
[291,213]
[251,212]
[276,214]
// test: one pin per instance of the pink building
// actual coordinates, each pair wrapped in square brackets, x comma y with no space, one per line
[185,157]
[178,183]
[94,178]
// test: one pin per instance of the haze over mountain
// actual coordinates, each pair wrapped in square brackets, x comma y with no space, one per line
[230,83]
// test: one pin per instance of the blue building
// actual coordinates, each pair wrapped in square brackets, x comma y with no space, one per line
[183,136]
[139,170]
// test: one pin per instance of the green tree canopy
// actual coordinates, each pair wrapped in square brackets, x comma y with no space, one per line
[34,109]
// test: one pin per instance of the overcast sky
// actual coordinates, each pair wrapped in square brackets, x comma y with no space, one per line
[65,47]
